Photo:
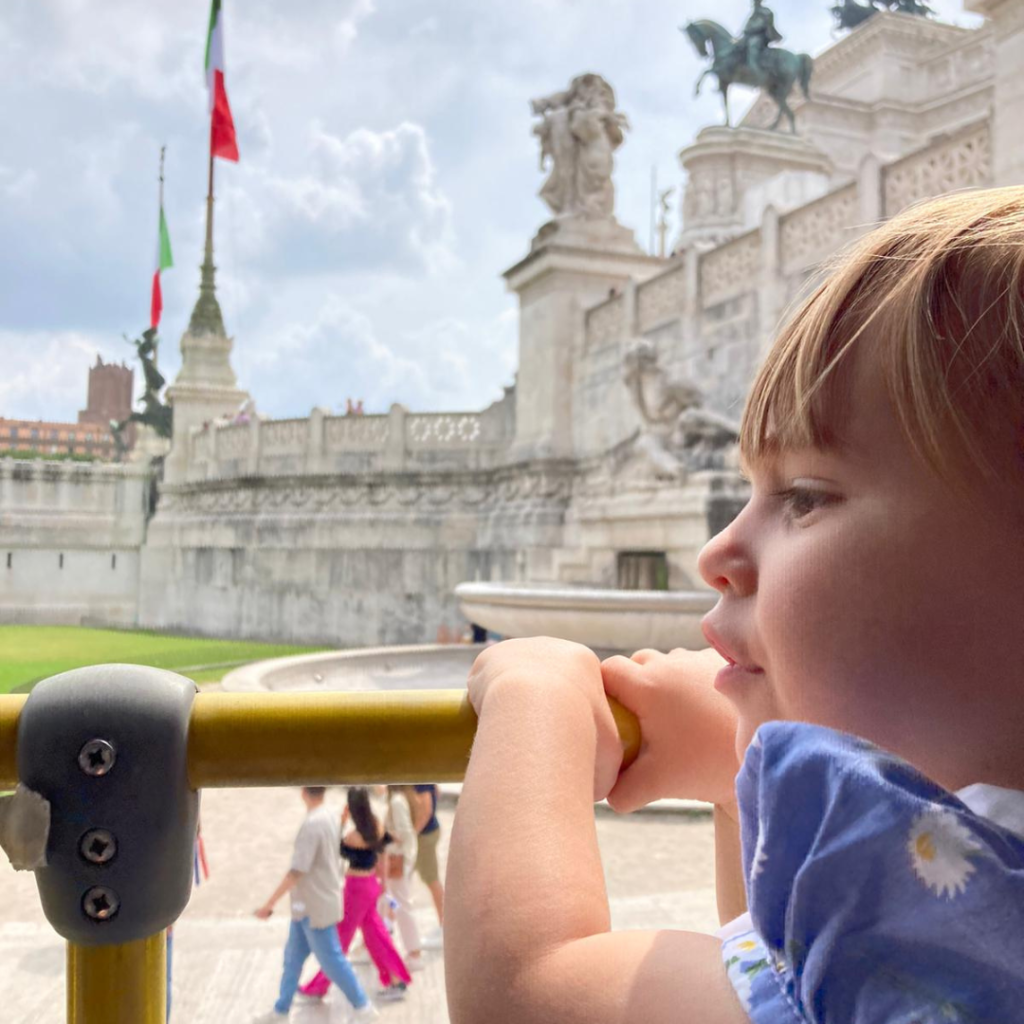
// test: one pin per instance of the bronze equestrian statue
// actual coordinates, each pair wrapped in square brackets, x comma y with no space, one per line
[752,60]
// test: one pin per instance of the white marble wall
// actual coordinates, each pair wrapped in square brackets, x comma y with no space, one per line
[70,535]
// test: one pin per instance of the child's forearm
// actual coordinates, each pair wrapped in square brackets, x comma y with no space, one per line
[524,871]
[729,887]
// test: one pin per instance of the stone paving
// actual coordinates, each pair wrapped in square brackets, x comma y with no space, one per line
[659,870]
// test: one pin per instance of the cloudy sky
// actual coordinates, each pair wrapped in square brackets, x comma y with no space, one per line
[387,177]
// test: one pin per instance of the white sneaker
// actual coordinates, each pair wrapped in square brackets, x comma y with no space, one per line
[273,1017]
[367,1012]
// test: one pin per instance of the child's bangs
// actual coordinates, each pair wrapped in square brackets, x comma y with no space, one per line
[800,396]
[937,295]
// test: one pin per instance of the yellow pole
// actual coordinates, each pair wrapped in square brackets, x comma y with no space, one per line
[10,709]
[276,739]
[124,984]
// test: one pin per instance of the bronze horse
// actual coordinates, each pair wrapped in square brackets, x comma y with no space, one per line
[781,69]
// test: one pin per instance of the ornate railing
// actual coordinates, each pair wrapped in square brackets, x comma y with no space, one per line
[814,232]
[963,161]
[731,269]
[661,298]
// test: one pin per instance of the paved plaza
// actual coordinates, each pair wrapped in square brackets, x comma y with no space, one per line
[659,870]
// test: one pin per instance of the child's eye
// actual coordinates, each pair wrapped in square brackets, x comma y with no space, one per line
[800,501]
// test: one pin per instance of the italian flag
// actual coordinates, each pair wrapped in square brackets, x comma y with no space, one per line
[222,127]
[163,261]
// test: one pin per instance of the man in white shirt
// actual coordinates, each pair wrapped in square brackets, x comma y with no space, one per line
[314,882]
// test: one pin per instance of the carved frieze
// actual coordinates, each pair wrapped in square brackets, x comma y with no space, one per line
[503,490]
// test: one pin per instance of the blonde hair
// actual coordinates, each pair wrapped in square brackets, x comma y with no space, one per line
[937,294]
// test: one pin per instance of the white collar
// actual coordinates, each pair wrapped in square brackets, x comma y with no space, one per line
[1003,807]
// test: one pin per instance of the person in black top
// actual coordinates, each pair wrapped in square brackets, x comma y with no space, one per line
[362,846]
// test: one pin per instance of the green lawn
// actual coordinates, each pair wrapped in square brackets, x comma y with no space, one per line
[31,653]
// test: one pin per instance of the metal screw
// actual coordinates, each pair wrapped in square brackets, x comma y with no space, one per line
[100,903]
[97,757]
[98,846]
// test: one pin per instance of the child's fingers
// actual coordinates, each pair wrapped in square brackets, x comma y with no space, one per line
[621,676]
[647,654]
[633,789]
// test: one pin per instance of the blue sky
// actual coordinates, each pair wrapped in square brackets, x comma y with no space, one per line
[388,176]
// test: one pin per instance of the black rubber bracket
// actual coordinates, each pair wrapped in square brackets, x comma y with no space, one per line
[107,746]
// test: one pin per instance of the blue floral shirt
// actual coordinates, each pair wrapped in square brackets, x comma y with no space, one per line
[876,896]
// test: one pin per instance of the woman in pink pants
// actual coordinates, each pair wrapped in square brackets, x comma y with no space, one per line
[361,847]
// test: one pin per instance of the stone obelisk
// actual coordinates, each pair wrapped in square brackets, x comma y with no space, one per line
[206,387]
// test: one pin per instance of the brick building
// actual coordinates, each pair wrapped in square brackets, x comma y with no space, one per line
[109,398]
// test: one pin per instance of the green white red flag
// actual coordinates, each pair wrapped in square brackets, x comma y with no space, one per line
[222,126]
[163,261]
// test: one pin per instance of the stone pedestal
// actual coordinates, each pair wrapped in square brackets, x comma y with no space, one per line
[1007,19]
[205,387]
[149,445]
[573,264]
[734,174]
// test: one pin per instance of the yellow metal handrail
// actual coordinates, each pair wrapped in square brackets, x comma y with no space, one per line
[256,739]
[274,739]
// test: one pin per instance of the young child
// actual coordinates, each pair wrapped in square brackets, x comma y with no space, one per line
[871,617]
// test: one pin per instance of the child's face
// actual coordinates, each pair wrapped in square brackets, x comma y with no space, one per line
[876,604]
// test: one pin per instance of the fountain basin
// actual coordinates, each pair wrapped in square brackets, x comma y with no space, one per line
[415,667]
[605,620]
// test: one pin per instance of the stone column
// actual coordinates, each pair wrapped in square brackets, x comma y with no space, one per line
[205,387]
[393,459]
[573,264]
[1007,20]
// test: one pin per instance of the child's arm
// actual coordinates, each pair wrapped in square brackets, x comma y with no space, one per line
[688,749]
[729,887]
[527,918]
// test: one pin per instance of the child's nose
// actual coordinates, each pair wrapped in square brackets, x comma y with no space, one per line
[725,563]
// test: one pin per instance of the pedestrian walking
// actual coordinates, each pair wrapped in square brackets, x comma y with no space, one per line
[313,881]
[400,864]
[428,830]
[362,847]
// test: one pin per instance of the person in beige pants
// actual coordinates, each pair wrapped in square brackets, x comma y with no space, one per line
[401,860]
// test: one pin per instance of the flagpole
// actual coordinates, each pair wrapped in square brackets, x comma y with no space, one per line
[159,240]
[206,317]
[208,254]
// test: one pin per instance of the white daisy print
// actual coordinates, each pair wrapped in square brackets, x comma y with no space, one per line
[940,850]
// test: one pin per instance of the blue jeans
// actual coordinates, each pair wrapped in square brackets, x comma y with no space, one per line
[323,943]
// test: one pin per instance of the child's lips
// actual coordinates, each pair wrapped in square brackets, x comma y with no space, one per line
[713,639]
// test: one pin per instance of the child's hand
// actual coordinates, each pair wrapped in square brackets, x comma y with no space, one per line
[687,729]
[556,671]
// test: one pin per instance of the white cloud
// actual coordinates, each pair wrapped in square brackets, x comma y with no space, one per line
[388,176]
[367,200]
[50,379]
